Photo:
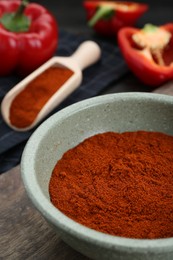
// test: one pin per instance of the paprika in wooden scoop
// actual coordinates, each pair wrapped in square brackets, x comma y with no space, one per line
[27,103]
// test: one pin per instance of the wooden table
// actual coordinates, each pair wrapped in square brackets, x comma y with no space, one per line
[24,234]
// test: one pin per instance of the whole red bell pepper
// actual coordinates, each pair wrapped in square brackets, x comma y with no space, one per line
[107,17]
[28,36]
[148,52]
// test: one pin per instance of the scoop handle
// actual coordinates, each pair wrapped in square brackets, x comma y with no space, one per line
[86,54]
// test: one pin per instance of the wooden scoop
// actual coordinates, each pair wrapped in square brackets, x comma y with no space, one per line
[86,54]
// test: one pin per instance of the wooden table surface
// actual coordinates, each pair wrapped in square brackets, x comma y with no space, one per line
[24,234]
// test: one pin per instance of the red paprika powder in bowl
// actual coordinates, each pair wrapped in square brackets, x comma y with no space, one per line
[141,119]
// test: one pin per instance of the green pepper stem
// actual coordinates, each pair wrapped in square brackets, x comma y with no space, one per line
[102,12]
[16,21]
[149,28]
[21,8]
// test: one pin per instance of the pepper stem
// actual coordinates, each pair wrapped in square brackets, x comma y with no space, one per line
[102,12]
[21,8]
[16,22]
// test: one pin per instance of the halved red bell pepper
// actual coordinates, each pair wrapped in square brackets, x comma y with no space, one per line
[28,36]
[149,52]
[107,17]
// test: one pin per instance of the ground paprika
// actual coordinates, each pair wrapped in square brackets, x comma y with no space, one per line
[118,183]
[28,103]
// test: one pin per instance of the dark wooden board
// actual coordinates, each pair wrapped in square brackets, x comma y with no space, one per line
[24,234]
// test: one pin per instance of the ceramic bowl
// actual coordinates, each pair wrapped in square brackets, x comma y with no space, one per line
[64,130]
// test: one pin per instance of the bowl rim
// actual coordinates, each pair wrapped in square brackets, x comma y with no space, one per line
[56,217]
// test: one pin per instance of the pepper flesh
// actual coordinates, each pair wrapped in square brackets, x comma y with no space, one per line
[25,51]
[149,55]
[107,17]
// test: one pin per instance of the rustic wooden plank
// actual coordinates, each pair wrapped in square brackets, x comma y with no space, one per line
[166,89]
[24,234]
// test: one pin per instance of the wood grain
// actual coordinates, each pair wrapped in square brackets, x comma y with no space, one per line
[24,234]
[166,89]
